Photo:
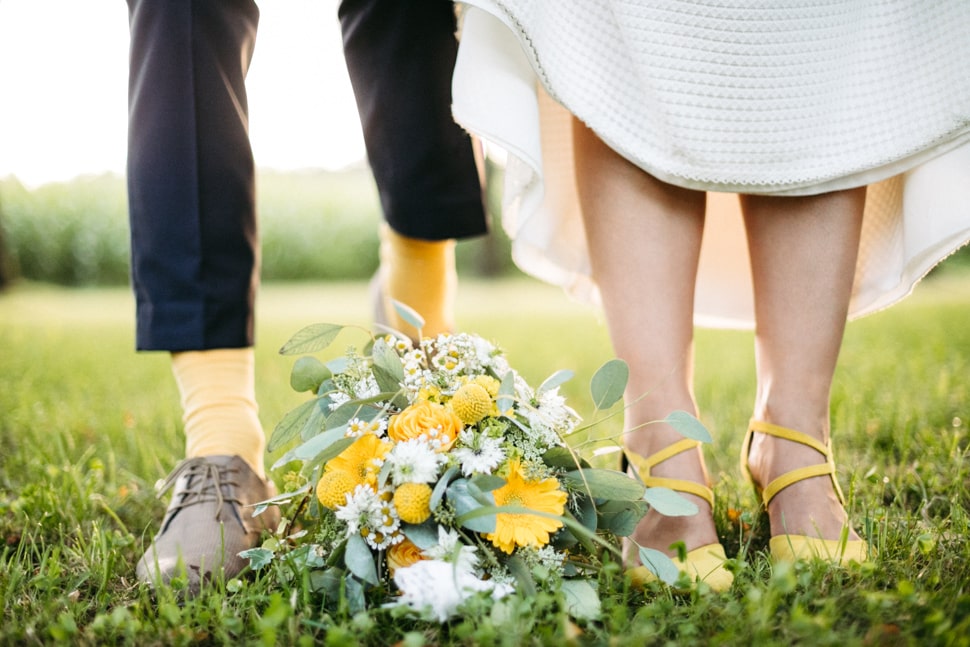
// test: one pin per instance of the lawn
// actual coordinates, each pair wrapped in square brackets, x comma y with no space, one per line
[87,426]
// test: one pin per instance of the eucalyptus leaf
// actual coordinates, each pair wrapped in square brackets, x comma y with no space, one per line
[408,314]
[465,503]
[609,383]
[360,560]
[354,592]
[659,564]
[606,484]
[290,426]
[308,373]
[556,379]
[311,449]
[669,503]
[388,369]
[582,600]
[689,426]
[311,339]
[439,488]
[506,393]
[562,458]
[487,482]
[621,517]
[423,535]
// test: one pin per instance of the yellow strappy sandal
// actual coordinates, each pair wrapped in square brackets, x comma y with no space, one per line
[705,563]
[795,547]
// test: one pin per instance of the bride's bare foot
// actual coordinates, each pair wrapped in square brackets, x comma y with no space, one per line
[811,507]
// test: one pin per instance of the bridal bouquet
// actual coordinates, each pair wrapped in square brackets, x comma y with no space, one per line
[433,473]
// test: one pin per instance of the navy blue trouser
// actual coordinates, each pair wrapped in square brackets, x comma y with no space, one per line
[195,254]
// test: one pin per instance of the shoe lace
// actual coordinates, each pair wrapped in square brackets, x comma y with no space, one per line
[204,483]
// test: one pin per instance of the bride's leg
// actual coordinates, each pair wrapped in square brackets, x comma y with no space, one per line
[803,256]
[644,241]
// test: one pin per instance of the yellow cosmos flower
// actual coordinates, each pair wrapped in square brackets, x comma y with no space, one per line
[471,403]
[362,460]
[403,554]
[412,501]
[513,530]
[434,421]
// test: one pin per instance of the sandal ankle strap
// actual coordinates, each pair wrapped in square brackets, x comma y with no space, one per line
[643,465]
[826,468]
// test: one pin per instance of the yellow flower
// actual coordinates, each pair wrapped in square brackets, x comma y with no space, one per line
[488,383]
[333,487]
[362,460]
[429,419]
[471,403]
[511,529]
[412,501]
[403,554]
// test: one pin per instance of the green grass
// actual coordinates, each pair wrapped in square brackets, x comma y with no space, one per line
[87,426]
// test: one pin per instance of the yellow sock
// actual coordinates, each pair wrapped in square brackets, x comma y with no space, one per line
[422,275]
[218,389]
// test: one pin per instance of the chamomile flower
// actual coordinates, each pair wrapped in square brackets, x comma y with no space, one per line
[371,515]
[451,549]
[357,427]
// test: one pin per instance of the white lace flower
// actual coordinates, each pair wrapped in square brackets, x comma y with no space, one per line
[478,453]
[436,589]
[414,461]
[337,399]
[450,549]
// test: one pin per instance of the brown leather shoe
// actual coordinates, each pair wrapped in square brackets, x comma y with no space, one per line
[208,522]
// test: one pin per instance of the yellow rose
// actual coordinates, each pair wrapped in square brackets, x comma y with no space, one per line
[434,421]
[403,554]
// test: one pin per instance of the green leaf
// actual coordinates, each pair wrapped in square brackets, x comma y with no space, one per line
[409,314]
[487,482]
[562,458]
[423,535]
[582,600]
[506,393]
[308,374]
[689,426]
[466,504]
[606,484]
[441,486]
[311,339]
[258,557]
[621,517]
[554,380]
[291,424]
[608,383]
[360,560]
[669,503]
[523,577]
[659,564]
[388,368]
[319,448]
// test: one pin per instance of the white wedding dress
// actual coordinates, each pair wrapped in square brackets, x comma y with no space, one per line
[730,96]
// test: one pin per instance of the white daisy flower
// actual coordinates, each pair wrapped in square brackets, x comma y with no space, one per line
[414,461]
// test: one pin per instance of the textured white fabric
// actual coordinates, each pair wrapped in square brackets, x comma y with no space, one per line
[784,98]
